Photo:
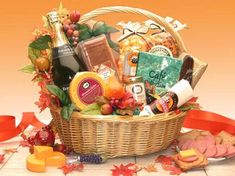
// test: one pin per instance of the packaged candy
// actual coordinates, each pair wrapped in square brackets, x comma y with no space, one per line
[134,38]
[161,71]
[160,37]
[192,69]
[98,56]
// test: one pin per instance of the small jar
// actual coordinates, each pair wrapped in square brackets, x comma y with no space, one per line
[135,85]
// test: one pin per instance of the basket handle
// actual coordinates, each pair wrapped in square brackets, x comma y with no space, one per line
[101,11]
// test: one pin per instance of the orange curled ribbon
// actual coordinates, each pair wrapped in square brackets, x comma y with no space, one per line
[8,129]
[204,120]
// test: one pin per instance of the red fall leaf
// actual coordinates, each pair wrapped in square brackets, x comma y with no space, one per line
[25,144]
[2,157]
[174,170]
[24,137]
[168,164]
[68,168]
[151,168]
[123,170]
[10,150]
[166,160]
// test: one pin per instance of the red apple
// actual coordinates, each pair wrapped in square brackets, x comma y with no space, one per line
[74,16]
[106,109]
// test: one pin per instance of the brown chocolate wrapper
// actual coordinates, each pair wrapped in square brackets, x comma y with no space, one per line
[192,69]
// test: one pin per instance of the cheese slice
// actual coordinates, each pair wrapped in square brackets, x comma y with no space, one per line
[85,87]
[42,152]
[56,159]
[187,153]
[35,165]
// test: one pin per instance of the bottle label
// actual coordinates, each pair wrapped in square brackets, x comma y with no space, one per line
[62,51]
[130,63]
[138,92]
[161,51]
[104,70]
[88,90]
[166,103]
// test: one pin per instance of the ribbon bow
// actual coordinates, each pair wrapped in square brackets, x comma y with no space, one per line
[8,129]
[177,25]
[132,29]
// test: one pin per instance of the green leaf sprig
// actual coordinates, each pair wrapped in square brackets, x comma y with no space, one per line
[67,105]
[99,28]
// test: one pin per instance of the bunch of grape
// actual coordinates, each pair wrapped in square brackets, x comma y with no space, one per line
[92,158]
[70,28]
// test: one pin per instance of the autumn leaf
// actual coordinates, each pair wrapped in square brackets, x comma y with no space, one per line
[68,168]
[174,170]
[24,137]
[168,164]
[62,11]
[2,157]
[151,168]
[25,143]
[123,170]
[10,150]
[166,160]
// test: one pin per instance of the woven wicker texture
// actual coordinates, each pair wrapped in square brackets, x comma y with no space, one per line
[118,136]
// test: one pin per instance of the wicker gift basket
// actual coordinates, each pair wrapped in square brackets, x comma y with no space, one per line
[118,136]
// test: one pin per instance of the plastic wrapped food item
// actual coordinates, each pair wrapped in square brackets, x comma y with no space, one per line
[159,36]
[192,69]
[98,56]
[165,39]
[161,71]
[134,38]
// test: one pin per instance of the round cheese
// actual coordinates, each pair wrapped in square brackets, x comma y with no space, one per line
[56,159]
[85,87]
[35,165]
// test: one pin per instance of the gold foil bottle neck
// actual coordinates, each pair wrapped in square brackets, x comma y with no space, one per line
[53,17]
[54,21]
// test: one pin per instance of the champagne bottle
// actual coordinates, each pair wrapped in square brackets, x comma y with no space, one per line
[65,62]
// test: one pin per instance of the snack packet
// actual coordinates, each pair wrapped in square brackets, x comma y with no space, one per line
[134,38]
[162,39]
[192,69]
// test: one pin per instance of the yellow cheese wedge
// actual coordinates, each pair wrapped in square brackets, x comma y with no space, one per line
[42,152]
[187,153]
[85,87]
[56,159]
[35,165]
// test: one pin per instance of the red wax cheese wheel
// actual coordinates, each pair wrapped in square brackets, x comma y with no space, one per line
[56,159]
[35,165]
[85,87]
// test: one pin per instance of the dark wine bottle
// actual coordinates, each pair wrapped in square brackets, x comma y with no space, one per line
[65,62]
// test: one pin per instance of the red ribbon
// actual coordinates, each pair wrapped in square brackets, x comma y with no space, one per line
[204,120]
[8,129]
[195,119]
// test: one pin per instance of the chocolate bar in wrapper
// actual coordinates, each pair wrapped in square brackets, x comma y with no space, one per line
[98,56]
[192,69]
[161,71]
